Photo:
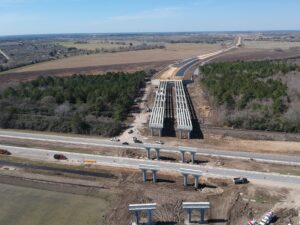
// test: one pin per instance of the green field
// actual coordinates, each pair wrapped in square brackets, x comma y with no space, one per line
[28,206]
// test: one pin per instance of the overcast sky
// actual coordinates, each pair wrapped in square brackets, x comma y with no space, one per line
[106,16]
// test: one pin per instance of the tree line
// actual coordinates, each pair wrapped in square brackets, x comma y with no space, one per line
[250,94]
[79,104]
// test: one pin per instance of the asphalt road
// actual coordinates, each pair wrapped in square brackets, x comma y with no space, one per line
[6,56]
[210,56]
[75,158]
[268,158]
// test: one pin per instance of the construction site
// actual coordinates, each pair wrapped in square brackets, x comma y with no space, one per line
[164,168]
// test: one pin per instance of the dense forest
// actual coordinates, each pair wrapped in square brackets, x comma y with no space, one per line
[79,104]
[254,95]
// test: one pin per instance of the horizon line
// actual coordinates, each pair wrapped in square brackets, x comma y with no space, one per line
[148,32]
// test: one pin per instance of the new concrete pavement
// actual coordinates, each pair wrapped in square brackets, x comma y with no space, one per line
[269,158]
[75,158]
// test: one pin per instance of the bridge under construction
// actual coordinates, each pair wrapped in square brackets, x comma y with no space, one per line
[167,93]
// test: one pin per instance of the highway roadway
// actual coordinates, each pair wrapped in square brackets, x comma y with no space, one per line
[5,56]
[197,60]
[268,158]
[78,158]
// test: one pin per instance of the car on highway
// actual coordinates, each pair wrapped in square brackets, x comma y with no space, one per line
[4,152]
[240,180]
[125,143]
[60,157]
[159,142]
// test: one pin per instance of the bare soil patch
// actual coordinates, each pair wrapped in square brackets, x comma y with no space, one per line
[256,54]
[271,44]
[172,52]
[12,77]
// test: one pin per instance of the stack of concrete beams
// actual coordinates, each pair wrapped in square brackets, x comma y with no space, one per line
[158,111]
[183,116]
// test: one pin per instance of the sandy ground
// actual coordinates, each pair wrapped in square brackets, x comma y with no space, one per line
[168,74]
[139,119]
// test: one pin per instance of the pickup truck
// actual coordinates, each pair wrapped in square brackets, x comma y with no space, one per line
[240,180]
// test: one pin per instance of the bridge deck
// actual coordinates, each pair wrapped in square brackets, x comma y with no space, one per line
[158,111]
[183,115]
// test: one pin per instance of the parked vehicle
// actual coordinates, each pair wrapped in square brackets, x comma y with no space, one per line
[240,180]
[266,220]
[60,157]
[130,131]
[4,152]
[125,143]
[159,142]
[135,140]
[115,139]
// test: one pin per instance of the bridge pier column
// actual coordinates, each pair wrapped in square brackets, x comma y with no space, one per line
[137,217]
[185,178]
[190,215]
[193,157]
[154,176]
[144,175]
[196,181]
[149,215]
[157,153]
[148,152]
[202,214]
[182,155]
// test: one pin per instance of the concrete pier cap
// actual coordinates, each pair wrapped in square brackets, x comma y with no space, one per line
[156,147]
[201,206]
[190,150]
[186,172]
[196,205]
[154,170]
[138,208]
